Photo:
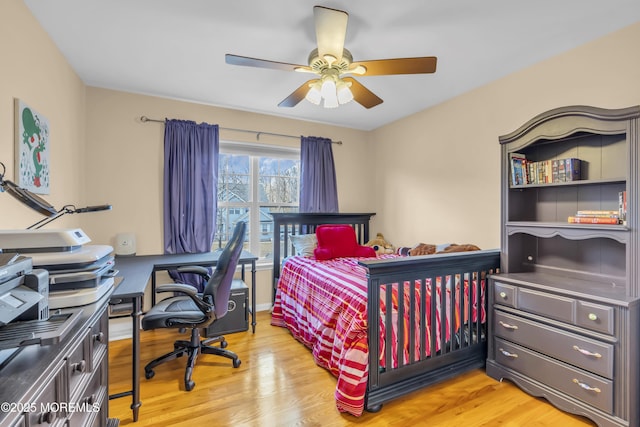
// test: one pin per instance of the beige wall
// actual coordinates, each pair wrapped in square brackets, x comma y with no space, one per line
[125,166]
[33,70]
[125,162]
[432,177]
[441,180]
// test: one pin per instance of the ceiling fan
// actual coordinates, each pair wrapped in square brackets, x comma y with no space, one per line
[333,64]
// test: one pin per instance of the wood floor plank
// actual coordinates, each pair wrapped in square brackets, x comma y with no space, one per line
[278,384]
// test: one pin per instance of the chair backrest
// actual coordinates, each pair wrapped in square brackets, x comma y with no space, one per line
[218,288]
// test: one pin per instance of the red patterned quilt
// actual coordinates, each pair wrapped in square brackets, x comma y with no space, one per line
[324,305]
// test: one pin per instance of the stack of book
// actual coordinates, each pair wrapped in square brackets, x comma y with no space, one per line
[525,171]
[596,217]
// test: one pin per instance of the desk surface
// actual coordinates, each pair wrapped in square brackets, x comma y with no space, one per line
[136,270]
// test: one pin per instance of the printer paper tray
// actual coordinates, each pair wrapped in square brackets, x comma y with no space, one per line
[42,332]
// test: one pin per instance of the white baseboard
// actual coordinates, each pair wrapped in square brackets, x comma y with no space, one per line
[120,329]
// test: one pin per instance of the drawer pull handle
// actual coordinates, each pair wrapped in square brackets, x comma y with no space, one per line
[503,295]
[587,352]
[593,316]
[99,337]
[47,417]
[508,326]
[506,353]
[81,366]
[586,386]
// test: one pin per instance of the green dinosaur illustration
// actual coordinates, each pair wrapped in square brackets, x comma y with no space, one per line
[32,136]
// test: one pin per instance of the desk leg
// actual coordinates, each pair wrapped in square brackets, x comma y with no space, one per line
[253,297]
[135,374]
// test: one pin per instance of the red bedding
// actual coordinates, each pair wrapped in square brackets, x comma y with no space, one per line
[324,305]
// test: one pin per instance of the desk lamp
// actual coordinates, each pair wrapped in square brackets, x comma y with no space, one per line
[39,204]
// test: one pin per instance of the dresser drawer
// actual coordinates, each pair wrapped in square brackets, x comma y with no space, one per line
[47,410]
[91,403]
[79,364]
[595,317]
[99,336]
[504,294]
[589,388]
[548,305]
[586,353]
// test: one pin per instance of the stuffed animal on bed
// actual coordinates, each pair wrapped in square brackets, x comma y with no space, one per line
[380,245]
[428,249]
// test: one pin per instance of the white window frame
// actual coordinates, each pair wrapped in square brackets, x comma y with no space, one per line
[255,151]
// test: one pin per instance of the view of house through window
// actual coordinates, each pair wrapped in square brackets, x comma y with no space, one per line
[251,185]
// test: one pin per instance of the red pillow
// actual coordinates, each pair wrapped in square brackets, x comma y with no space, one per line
[336,241]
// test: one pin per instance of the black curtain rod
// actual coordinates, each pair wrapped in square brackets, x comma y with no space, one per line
[145,119]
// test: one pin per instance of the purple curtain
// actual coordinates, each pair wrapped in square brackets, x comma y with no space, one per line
[318,188]
[190,190]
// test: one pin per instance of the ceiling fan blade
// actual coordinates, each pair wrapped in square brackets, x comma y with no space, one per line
[383,67]
[331,29]
[263,63]
[297,95]
[361,94]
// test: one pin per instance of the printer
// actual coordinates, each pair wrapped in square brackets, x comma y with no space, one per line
[23,290]
[78,273]
[25,318]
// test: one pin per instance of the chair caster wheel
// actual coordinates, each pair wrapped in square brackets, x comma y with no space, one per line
[149,374]
[236,363]
[189,385]
[223,344]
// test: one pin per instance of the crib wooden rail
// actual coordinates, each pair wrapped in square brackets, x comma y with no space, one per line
[462,343]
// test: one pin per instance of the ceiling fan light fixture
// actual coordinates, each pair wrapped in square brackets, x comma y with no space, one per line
[313,95]
[344,93]
[331,101]
[328,88]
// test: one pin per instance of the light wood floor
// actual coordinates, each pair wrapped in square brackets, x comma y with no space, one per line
[278,384]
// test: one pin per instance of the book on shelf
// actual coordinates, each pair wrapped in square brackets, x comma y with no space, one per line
[562,175]
[599,213]
[532,172]
[526,171]
[622,206]
[519,169]
[554,171]
[572,169]
[596,212]
[592,220]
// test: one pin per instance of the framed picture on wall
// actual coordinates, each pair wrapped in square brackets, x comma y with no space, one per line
[32,149]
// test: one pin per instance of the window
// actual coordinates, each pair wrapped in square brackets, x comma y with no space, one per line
[254,181]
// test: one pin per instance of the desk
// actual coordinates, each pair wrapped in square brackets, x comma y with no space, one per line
[136,272]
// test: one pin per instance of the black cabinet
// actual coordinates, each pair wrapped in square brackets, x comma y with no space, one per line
[64,383]
[237,317]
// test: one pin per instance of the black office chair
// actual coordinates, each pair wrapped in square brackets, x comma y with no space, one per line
[196,311]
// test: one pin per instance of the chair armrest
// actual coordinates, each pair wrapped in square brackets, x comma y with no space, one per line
[189,291]
[177,287]
[196,269]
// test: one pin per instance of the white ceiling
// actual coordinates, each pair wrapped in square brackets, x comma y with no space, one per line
[176,48]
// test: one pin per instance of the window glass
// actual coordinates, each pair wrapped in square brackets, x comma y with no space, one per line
[250,188]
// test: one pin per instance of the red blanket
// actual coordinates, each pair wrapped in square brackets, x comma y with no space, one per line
[324,305]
